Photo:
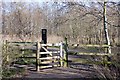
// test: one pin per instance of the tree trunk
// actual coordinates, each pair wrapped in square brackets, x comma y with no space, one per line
[106,28]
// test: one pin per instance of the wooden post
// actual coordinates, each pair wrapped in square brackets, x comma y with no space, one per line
[23,48]
[66,53]
[37,56]
[61,54]
[105,58]
[105,61]
[6,50]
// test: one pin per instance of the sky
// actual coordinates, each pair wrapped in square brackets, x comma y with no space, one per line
[56,0]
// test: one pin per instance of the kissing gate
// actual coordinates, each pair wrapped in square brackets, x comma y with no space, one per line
[56,56]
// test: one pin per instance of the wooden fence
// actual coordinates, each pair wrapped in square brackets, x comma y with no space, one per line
[105,55]
[60,58]
[62,51]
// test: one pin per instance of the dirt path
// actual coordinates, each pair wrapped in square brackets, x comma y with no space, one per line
[61,72]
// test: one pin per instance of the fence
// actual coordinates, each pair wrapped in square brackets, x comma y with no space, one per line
[52,56]
[105,55]
[62,57]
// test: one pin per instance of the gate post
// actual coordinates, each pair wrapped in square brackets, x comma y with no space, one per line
[61,54]
[6,50]
[65,53]
[37,56]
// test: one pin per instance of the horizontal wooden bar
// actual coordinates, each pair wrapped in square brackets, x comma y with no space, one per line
[55,65]
[27,57]
[17,44]
[49,52]
[22,42]
[19,66]
[49,66]
[89,61]
[49,62]
[56,44]
[90,45]
[98,54]
[46,58]
[55,51]
[45,62]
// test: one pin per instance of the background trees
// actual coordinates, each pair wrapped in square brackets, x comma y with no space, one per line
[79,22]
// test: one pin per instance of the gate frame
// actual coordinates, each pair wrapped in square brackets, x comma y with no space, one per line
[62,53]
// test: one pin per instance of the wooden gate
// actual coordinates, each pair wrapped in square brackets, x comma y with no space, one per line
[53,58]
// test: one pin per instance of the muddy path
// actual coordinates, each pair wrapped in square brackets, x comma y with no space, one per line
[60,72]
[75,70]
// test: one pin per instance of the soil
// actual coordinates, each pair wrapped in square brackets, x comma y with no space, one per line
[60,72]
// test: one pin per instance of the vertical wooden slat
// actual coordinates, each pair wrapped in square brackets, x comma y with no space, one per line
[23,48]
[66,53]
[61,54]
[37,56]
[6,50]
[105,58]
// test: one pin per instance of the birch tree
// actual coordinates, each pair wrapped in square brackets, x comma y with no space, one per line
[105,27]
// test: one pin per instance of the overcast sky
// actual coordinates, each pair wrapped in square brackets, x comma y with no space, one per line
[56,0]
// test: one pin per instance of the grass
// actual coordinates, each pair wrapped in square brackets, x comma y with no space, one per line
[26,61]
[13,53]
[12,72]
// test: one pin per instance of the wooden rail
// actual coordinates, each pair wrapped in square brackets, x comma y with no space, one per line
[57,44]
[93,45]
[97,54]
[49,52]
